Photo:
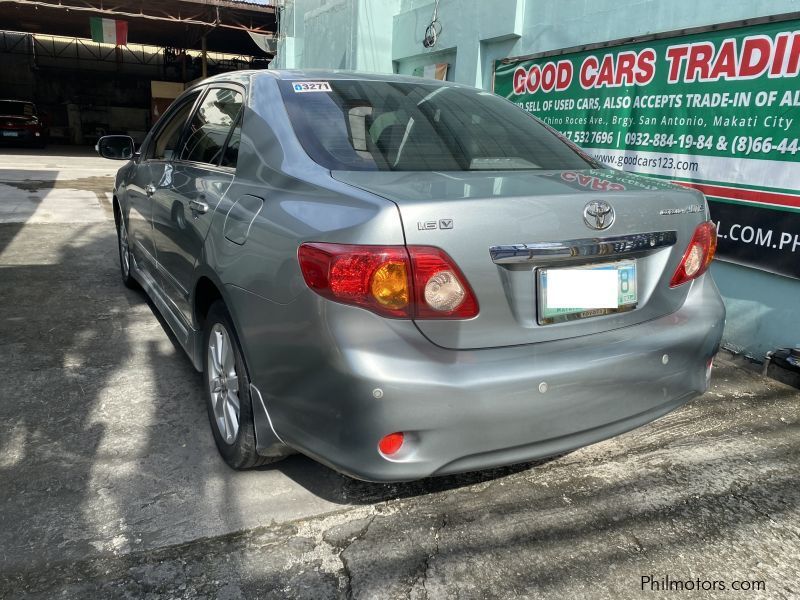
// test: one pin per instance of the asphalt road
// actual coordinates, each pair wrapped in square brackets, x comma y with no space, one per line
[110,485]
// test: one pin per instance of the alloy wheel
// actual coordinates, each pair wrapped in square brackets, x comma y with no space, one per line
[223,383]
[124,255]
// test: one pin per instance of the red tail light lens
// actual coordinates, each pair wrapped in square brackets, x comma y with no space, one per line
[374,277]
[418,282]
[698,255]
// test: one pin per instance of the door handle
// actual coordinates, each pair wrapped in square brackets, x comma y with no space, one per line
[197,207]
[149,189]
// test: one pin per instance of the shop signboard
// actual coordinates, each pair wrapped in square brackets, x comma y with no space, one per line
[717,110]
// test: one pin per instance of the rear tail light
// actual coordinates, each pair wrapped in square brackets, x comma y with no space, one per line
[441,290]
[698,254]
[373,277]
[418,282]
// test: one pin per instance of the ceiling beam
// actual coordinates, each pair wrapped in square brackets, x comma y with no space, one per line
[248,6]
[115,12]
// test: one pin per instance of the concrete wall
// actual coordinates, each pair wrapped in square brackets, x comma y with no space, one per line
[552,24]
[479,32]
[386,35]
[763,308]
[337,34]
[467,29]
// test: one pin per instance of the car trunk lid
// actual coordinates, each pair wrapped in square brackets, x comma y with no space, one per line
[503,228]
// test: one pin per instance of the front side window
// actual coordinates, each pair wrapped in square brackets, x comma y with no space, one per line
[392,126]
[209,128]
[167,138]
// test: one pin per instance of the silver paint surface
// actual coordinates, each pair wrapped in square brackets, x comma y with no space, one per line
[465,392]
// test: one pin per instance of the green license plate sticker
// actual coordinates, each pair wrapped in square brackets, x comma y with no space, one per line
[627,295]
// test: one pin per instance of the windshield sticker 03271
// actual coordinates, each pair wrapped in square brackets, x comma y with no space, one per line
[311,86]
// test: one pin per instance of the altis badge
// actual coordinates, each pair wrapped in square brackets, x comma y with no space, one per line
[692,208]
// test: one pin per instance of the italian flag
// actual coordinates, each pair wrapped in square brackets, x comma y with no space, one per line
[109,31]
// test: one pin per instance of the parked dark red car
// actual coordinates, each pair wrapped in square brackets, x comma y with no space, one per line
[20,122]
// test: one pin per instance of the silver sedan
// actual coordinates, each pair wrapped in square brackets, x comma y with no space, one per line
[402,278]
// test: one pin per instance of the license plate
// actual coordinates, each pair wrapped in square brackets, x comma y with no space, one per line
[566,294]
[10,134]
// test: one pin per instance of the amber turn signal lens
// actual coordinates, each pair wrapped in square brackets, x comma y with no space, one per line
[389,285]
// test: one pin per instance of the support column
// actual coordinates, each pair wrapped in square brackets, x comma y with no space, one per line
[205,57]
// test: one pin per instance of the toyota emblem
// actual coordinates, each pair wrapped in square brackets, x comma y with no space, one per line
[598,214]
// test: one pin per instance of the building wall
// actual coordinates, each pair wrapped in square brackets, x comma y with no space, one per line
[336,34]
[552,24]
[479,32]
[469,30]
[762,308]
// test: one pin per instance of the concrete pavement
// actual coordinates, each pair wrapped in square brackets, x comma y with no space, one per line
[104,430]
[110,485]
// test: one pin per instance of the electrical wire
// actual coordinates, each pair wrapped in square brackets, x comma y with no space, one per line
[434,30]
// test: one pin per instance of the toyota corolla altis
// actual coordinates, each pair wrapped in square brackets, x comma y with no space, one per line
[401,277]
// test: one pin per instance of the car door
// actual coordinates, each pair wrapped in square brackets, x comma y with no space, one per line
[193,185]
[150,172]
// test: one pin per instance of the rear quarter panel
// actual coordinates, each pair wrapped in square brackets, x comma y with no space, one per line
[281,323]
[301,203]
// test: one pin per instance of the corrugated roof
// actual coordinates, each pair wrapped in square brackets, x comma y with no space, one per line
[175,23]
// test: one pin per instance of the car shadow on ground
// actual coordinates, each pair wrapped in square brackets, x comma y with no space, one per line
[61,347]
[342,489]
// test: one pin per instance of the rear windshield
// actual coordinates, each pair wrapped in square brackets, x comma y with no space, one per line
[17,109]
[390,126]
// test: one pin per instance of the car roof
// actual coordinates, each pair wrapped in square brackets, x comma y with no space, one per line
[323,74]
[21,101]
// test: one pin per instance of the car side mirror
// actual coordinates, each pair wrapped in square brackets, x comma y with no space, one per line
[116,147]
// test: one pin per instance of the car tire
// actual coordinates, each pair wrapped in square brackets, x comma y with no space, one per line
[227,391]
[125,259]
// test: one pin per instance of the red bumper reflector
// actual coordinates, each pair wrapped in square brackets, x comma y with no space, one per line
[391,443]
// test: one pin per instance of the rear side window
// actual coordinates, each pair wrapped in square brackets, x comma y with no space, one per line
[392,126]
[210,127]
[167,138]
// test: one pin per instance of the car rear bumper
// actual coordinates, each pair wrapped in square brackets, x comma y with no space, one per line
[463,410]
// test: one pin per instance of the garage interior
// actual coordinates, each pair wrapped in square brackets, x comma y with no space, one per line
[86,89]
